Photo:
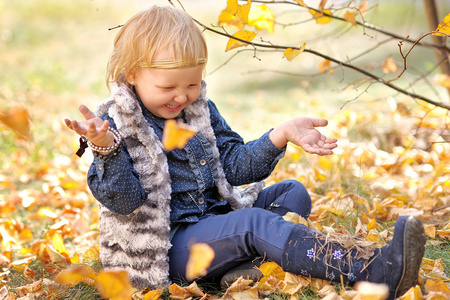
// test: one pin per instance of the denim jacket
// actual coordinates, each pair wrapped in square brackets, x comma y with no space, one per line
[115,183]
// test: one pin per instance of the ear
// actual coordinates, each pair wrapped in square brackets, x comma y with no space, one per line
[131,76]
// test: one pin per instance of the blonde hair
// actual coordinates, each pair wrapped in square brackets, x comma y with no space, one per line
[158,30]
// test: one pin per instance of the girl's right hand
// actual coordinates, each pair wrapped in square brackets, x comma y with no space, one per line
[93,128]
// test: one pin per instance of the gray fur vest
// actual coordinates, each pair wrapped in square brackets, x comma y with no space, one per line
[139,242]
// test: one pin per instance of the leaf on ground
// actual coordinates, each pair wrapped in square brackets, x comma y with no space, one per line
[437,286]
[177,134]
[200,257]
[414,293]
[272,269]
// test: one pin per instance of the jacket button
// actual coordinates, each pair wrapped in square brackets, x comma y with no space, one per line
[201,200]
[203,162]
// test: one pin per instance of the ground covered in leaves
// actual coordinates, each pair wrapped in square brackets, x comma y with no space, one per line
[49,234]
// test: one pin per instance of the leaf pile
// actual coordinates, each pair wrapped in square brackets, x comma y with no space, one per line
[49,234]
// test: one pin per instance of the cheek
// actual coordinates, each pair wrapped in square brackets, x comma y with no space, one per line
[193,95]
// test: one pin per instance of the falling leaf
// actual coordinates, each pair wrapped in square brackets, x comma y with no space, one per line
[321,17]
[349,16]
[18,120]
[75,275]
[363,7]
[200,257]
[324,66]
[290,53]
[243,35]
[444,27]
[372,291]
[442,79]
[114,285]
[389,66]
[177,134]
[261,17]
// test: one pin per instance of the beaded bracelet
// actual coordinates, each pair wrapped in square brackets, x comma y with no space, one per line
[106,157]
[106,150]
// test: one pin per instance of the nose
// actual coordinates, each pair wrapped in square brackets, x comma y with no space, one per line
[181,97]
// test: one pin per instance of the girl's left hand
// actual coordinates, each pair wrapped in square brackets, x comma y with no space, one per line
[302,132]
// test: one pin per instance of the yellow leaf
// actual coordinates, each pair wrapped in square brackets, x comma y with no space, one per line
[301,3]
[75,275]
[114,285]
[261,17]
[200,257]
[243,12]
[430,231]
[437,286]
[153,295]
[295,218]
[243,35]
[320,17]
[177,134]
[58,243]
[272,269]
[47,212]
[444,27]
[414,293]
[372,224]
[18,120]
[290,53]
[232,6]
[324,66]
[372,291]
[349,16]
[442,79]
[227,19]
[249,294]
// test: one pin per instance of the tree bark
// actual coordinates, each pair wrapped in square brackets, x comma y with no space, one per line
[433,18]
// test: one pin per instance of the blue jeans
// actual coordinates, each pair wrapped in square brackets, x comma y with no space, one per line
[242,235]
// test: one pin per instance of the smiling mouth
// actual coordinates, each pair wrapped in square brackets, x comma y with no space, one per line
[172,106]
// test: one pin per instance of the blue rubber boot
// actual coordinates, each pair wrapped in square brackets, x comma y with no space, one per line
[397,264]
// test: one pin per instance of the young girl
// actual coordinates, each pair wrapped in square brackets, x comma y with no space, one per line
[155,203]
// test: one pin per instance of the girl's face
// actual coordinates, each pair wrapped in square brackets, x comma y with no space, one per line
[166,92]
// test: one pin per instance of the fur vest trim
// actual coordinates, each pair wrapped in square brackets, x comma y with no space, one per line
[139,242]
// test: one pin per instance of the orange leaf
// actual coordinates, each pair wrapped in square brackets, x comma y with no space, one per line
[320,17]
[200,257]
[290,53]
[444,27]
[324,66]
[75,275]
[243,35]
[272,269]
[430,231]
[437,286]
[177,134]
[18,120]
[114,285]
[349,16]
[363,7]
